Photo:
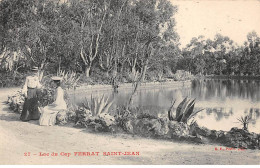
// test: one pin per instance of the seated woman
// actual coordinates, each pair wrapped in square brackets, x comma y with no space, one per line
[49,113]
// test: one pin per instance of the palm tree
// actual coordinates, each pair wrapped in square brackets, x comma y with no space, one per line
[244,121]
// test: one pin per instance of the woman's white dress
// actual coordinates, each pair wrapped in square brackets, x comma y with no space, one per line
[49,113]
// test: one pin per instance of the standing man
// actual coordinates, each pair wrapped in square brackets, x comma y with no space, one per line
[31,104]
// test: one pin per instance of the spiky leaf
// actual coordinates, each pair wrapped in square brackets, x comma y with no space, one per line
[178,110]
[188,112]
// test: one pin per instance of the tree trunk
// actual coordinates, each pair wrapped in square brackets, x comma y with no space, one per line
[144,70]
[107,74]
[87,71]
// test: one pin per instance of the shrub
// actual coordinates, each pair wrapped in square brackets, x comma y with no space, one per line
[11,79]
[16,102]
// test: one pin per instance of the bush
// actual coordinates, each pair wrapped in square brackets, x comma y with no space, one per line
[9,79]
[16,102]
[182,75]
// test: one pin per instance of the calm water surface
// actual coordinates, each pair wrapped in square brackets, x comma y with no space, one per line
[223,101]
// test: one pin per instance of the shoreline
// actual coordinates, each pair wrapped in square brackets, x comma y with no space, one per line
[148,85]
[15,135]
[238,77]
[98,87]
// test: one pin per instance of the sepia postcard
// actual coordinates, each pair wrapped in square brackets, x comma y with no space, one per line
[129,82]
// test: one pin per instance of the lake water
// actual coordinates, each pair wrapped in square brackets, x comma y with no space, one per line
[223,101]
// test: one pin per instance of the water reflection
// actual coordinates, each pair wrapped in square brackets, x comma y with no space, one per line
[223,101]
[222,89]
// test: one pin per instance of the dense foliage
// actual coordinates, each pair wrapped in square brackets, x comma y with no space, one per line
[113,39]
[119,38]
[222,56]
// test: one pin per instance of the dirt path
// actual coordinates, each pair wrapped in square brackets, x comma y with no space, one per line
[17,138]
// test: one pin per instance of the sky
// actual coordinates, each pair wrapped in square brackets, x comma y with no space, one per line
[234,19]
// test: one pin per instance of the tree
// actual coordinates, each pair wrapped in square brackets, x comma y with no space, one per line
[88,18]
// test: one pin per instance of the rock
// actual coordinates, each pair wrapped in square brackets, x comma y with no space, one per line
[71,115]
[164,127]
[146,127]
[177,129]
[129,127]
[221,136]
[195,130]
[233,144]
[97,124]
[108,119]
[213,134]
[173,124]
[82,115]
[243,145]
[138,126]
[196,139]
[62,117]
[203,131]
[98,127]
[115,129]
[254,135]
[192,130]
[234,129]
[239,138]
[156,127]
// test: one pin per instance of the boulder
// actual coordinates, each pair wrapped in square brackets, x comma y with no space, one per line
[146,127]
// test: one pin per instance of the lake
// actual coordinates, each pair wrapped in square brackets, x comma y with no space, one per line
[223,101]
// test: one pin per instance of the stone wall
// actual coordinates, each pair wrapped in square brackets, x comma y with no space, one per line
[149,85]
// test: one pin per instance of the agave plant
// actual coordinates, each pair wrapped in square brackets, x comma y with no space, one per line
[184,111]
[97,106]
[69,79]
[244,121]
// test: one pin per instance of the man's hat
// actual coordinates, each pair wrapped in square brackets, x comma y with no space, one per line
[34,68]
[56,78]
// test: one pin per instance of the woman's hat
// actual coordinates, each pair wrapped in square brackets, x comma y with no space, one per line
[34,68]
[56,78]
